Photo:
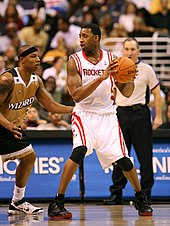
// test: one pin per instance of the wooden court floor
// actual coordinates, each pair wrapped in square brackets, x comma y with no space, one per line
[92,215]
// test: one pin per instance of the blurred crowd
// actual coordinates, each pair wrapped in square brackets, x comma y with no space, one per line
[53,26]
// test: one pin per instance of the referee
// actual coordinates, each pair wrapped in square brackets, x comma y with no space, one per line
[135,121]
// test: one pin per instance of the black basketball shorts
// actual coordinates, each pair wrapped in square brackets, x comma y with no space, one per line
[9,144]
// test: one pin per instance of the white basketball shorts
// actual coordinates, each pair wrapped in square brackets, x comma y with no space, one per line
[99,132]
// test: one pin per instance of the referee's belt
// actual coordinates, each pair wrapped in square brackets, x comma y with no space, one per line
[134,107]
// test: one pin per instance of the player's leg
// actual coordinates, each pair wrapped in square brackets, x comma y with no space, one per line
[56,209]
[19,149]
[24,169]
[141,201]
[118,178]
[18,204]
[119,183]
[116,148]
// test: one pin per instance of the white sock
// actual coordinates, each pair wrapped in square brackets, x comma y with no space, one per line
[18,193]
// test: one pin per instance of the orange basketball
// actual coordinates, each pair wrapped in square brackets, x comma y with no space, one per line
[126,70]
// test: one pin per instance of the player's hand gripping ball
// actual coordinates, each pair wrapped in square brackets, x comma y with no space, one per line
[125,71]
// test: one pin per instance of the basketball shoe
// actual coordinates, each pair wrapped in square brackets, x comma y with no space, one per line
[56,211]
[141,204]
[21,207]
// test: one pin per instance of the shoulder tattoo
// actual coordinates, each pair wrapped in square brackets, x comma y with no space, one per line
[6,85]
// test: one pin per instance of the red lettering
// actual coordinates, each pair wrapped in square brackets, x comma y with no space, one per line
[93,72]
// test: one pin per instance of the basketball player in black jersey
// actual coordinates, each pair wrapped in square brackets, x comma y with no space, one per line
[18,89]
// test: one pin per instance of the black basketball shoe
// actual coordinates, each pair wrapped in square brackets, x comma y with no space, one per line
[141,204]
[56,211]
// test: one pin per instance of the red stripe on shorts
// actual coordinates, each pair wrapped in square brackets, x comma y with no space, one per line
[76,120]
[122,143]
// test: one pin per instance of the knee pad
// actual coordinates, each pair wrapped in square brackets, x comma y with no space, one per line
[125,164]
[78,154]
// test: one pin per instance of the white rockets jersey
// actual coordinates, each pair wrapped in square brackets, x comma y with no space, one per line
[100,101]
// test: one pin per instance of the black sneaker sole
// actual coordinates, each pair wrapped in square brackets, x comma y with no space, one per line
[61,217]
[145,213]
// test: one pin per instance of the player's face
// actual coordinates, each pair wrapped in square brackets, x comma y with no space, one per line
[131,50]
[87,39]
[32,61]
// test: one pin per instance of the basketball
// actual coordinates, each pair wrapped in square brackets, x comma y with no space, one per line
[126,70]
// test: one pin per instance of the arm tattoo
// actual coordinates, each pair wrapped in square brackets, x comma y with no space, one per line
[5,87]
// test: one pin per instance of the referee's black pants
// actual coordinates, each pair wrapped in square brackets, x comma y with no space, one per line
[137,130]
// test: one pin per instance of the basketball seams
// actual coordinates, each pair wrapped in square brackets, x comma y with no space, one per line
[125,73]
[121,63]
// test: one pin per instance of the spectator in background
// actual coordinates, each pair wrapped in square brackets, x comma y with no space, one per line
[140,28]
[166,125]
[127,19]
[67,31]
[6,39]
[2,64]
[50,86]
[156,6]
[34,35]
[19,8]
[106,25]
[2,26]
[75,11]
[10,57]
[11,16]
[32,119]
[87,17]
[117,31]
[15,42]
[115,8]
[60,51]
[61,6]
[39,11]
[142,4]
[161,20]
[58,72]
[56,123]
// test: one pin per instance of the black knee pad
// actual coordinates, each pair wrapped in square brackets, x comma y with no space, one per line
[125,164]
[78,154]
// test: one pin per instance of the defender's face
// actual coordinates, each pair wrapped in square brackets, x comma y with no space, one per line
[32,61]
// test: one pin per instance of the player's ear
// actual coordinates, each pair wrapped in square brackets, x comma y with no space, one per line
[96,38]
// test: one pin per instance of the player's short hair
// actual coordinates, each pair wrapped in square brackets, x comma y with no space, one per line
[94,29]
[131,39]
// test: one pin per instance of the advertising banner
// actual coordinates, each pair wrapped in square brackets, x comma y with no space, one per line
[51,157]
[44,179]
[98,181]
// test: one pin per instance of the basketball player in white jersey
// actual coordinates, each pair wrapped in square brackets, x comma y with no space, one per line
[18,89]
[94,121]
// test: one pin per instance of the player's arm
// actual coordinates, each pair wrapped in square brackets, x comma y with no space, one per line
[6,86]
[74,82]
[158,104]
[126,89]
[47,101]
